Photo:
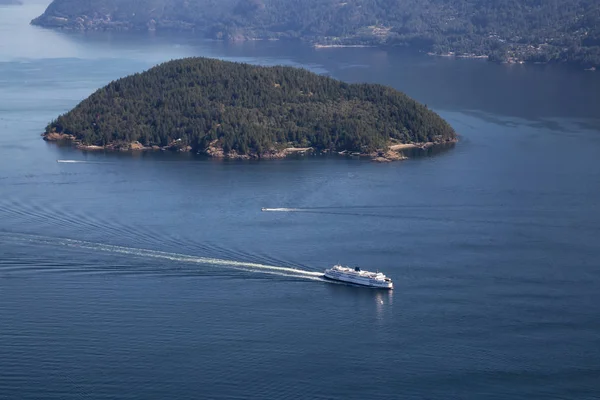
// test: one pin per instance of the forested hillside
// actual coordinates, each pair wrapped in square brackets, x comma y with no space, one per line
[199,102]
[532,30]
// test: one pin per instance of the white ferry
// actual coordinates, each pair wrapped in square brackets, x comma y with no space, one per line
[358,277]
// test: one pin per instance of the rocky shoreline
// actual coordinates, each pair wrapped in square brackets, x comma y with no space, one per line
[133,146]
[393,153]
[213,150]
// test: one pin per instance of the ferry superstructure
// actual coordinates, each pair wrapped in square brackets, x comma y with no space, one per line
[358,277]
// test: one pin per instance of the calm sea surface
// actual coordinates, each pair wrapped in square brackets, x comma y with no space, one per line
[156,276]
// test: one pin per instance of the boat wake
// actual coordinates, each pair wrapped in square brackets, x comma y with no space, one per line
[80,162]
[176,257]
[439,214]
[282,209]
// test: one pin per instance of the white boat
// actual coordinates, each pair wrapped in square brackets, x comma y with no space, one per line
[358,277]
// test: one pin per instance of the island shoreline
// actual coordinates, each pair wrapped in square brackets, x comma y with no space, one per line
[394,152]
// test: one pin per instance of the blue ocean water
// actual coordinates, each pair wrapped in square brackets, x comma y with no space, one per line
[157,276]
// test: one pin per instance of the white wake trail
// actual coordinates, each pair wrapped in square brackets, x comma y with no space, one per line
[81,162]
[282,209]
[249,266]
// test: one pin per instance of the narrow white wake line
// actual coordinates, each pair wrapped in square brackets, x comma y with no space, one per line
[81,162]
[318,278]
[176,257]
[194,259]
[282,209]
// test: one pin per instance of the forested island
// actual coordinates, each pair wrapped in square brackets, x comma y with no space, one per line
[501,30]
[235,110]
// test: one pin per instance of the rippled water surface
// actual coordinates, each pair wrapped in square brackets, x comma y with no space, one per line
[155,276]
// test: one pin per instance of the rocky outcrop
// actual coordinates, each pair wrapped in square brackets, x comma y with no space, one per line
[388,156]
[215,150]
[175,145]
[133,146]
[57,137]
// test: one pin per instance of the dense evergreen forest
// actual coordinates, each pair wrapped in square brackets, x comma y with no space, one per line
[514,30]
[200,102]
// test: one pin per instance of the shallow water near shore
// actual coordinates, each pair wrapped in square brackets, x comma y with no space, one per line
[156,275]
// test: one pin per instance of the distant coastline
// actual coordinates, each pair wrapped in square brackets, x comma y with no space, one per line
[452,54]
[517,56]
[533,32]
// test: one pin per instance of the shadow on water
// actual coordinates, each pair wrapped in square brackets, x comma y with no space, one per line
[355,296]
[344,289]
[438,149]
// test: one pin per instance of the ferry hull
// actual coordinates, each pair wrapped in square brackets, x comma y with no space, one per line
[335,276]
